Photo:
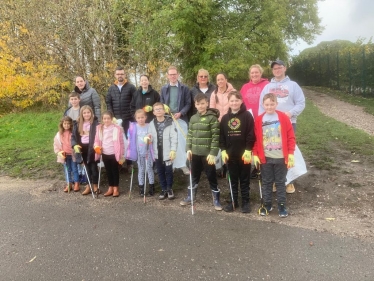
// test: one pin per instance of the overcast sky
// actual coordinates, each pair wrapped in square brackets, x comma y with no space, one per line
[343,19]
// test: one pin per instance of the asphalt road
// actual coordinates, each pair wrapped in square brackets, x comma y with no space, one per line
[48,235]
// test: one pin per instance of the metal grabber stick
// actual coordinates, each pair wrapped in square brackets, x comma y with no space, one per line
[145,172]
[192,206]
[89,182]
[132,176]
[98,185]
[232,195]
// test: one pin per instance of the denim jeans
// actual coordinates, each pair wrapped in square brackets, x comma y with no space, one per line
[165,174]
[274,171]
[72,169]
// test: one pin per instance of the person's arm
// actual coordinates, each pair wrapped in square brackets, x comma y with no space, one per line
[250,132]
[222,138]
[261,108]
[189,136]
[173,138]
[186,95]
[163,95]
[212,102]
[96,103]
[56,144]
[108,101]
[133,105]
[299,101]
[214,128]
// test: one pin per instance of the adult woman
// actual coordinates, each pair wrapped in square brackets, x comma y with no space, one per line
[202,86]
[251,91]
[88,96]
[144,98]
[219,97]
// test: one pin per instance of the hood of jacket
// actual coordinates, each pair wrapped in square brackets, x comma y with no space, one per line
[150,89]
[229,89]
[242,109]
[262,80]
[284,80]
[85,89]
[211,111]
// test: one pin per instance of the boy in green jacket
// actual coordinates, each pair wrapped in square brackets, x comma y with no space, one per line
[202,148]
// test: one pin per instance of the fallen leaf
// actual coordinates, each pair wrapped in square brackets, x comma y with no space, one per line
[355,161]
[330,219]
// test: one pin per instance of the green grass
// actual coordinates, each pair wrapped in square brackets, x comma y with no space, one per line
[318,136]
[366,102]
[26,143]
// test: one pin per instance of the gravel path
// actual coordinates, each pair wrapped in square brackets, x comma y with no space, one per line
[349,114]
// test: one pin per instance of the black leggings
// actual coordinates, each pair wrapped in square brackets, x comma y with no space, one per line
[112,169]
[92,171]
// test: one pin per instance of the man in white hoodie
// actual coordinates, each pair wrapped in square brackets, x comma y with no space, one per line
[290,96]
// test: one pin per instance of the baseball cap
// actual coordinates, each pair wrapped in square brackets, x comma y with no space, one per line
[280,62]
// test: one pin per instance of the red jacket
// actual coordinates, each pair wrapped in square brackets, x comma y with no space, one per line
[288,137]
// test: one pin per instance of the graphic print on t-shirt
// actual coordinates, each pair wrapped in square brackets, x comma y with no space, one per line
[272,141]
[281,91]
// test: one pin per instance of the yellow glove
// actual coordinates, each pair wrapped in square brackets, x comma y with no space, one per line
[167,109]
[147,139]
[211,159]
[172,155]
[77,148]
[189,154]
[61,154]
[121,160]
[256,161]
[147,108]
[291,161]
[225,156]
[97,149]
[247,157]
[114,120]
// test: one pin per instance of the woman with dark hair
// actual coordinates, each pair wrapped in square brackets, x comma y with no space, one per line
[144,98]
[219,98]
[88,95]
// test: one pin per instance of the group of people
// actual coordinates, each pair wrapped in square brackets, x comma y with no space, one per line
[258,123]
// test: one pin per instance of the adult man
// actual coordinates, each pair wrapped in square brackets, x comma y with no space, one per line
[178,97]
[290,96]
[118,100]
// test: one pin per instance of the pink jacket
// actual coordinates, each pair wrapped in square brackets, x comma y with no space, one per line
[119,145]
[251,95]
[223,102]
[57,147]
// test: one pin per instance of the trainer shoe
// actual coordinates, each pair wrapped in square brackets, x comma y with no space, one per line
[186,171]
[282,210]
[163,195]
[170,194]
[246,208]
[290,188]
[266,209]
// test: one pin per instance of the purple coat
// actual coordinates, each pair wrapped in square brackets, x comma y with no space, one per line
[132,151]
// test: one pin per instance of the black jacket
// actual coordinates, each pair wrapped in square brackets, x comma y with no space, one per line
[119,102]
[196,90]
[140,100]
[76,139]
[237,132]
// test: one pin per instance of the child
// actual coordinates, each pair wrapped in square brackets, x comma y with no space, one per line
[62,147]
[109,143]
[237,138]
[274,148]
[82,141]
[73,110]
[139,150]
[164,137]
[202,148]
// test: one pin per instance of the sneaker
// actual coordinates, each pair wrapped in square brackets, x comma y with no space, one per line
[229,208]
[274,188]
[265,210]
[282,210]
[163,195]
[246,208]
[290,188]
[186,171]
[170,194]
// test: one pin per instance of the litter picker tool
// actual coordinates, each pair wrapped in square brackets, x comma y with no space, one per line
[132,176]
[67,176]
[89,182]
[145,172]
[98,184]
[232,195]
[262,207]
[191,187]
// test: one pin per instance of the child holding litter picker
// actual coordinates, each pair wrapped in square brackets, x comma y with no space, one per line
[164,139]
[64,151]
[237,138]
[274,152]
[202,148]
[139,150]
[110,146]
[82,141]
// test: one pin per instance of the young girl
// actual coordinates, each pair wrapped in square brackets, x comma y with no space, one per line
[139,150]
[62,147]
[237,138]
[109,143]
[82,141]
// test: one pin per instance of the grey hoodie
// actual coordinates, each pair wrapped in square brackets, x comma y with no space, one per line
[289,94]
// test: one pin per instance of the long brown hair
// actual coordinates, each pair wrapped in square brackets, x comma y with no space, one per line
[216,90]
[61,129]
[81,120]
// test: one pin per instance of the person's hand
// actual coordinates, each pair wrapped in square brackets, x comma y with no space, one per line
[289,115]
[177,115]
[61,154]
[147,139]
[189,154]
[172,155]
[291,161]
[121,160]
[147,108]
[77,148]
[256,161]
[167,109]
[211,159]
[225,156]
[247,157]
[114,121]
[97,149]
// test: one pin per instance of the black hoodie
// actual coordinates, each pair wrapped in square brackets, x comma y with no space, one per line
[237,132]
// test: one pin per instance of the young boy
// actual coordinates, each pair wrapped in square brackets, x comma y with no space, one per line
[73,110]
[202,148]
[164,136]
[274,150]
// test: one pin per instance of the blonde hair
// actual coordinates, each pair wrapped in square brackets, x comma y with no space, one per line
[81,120]
[270,96]
[204,71]
[256,66]
[140,111]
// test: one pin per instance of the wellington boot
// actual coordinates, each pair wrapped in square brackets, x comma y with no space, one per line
[96,189]
[76,187]
[115,191]
[87,190]
[68,187]
[109,192]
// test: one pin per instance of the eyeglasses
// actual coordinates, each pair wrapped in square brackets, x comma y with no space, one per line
[277,68]
[203,76]
[172,74]
[158,109]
